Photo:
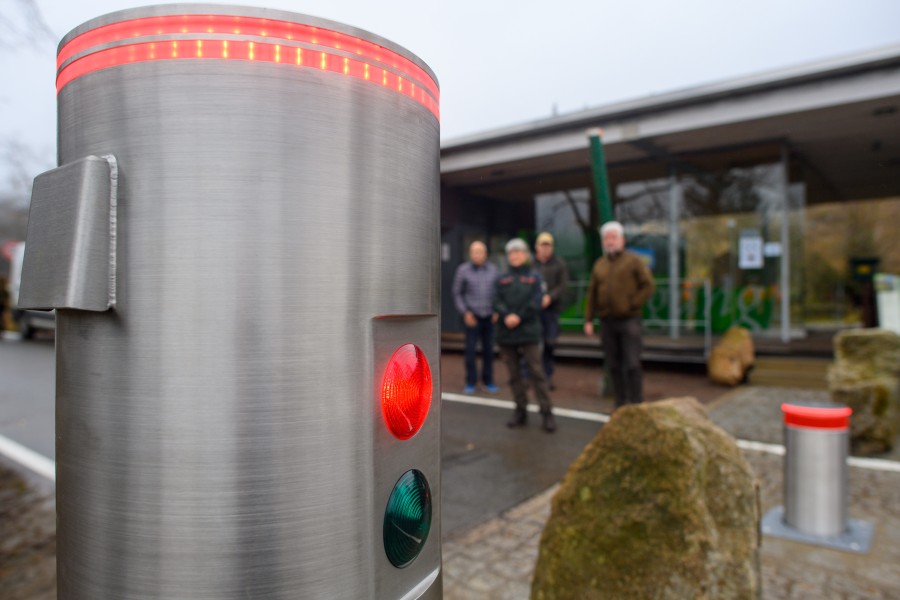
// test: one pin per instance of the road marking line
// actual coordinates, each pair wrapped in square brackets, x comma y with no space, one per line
[26,457]
[875,464]
[509,404]
[45,467]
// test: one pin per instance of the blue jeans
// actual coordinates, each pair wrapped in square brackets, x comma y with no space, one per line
[484,331]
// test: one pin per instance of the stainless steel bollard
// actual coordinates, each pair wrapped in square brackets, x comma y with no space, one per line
[242,245]
[815,468]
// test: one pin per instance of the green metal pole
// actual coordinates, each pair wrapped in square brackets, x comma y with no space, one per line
[605,214]
[601,181]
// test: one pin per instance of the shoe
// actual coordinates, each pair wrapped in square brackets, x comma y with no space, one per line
[469,389]
[549,422]
[550,385]
[491,388]
[519,419]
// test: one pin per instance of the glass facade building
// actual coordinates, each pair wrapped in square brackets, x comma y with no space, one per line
[767,202]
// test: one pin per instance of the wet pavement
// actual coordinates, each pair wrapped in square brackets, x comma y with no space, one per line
[492,555]
[27,536]
[495,560]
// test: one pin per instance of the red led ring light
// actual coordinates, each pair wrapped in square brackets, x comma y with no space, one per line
[817,417]
[367,61]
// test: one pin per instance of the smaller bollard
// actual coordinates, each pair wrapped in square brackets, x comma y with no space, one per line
[816,440]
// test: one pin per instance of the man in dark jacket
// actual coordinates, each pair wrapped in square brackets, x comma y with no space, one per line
[517,302]
[555,274]
[620,285]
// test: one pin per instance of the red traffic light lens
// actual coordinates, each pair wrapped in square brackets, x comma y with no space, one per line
[406,391]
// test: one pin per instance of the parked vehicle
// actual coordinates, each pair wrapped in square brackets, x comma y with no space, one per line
[27,321]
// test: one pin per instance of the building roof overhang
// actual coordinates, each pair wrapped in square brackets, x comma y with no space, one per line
[839,119]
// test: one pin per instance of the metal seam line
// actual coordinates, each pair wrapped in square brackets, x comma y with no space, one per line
[113,207]
[875,464]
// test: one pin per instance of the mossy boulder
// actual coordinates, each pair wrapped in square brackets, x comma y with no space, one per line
[866,377]
[660,504]
[870,352]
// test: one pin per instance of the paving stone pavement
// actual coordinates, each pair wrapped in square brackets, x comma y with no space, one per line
[496,560]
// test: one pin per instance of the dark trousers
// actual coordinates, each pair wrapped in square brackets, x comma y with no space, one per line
[483,331]
[550,325]
[531,354]
[621,339]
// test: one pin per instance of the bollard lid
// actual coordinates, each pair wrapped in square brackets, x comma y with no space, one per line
[817,416]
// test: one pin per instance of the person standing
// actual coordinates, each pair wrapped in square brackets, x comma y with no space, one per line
[473,290]
[620,285]
[556,277]
[517,302]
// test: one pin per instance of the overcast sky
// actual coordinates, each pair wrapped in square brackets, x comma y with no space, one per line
[498,63]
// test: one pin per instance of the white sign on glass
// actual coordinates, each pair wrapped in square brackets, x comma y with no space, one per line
[750,255]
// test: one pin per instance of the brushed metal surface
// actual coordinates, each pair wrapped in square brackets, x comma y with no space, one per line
[217,431]
[815,480]
[70,254]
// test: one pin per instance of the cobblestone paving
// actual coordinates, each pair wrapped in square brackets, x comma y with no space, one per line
[27,539]
[496,560]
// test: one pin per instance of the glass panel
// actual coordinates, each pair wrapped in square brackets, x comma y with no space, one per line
[731,227]
[571,217]
[838,235]
[643,209]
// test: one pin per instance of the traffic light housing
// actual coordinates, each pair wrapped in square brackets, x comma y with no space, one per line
[406,438]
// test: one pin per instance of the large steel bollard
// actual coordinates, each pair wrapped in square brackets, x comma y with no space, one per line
[815,468]
[242,244]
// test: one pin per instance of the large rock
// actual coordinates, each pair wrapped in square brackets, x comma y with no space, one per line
[866,377]
[732,358]
[872,352]
[661,504]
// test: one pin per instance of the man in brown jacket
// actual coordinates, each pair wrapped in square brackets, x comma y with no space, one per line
[620,285]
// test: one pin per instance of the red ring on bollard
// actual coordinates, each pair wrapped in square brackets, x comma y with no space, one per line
[817,417]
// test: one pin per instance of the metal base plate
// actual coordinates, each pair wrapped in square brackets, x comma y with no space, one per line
[857,538]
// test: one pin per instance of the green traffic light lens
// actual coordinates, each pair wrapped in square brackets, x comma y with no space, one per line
[407,518]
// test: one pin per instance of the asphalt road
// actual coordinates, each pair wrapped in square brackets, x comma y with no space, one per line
[27,394]
[487,468]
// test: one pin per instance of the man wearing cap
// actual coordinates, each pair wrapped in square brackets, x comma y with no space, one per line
[473,295]
[517,302]
[620,285]
[556,277]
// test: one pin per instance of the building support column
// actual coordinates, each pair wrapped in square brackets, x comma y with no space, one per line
[675,193]
[785,192]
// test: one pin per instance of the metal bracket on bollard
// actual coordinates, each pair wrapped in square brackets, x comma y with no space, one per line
[70,249]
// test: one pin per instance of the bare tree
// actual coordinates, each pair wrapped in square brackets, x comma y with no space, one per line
[22,29]
[21,22]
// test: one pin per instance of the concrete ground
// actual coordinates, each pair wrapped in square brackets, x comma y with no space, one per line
[495,560]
